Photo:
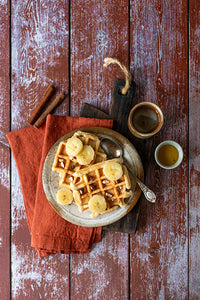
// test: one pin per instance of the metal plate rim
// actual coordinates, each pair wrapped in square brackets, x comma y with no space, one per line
[105,219]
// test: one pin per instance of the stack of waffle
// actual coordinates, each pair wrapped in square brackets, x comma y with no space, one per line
[88,178]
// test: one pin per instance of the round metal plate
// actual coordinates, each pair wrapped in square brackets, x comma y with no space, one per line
[71,212]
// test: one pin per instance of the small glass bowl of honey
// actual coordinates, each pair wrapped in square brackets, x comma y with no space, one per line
[145,120]
[168,154]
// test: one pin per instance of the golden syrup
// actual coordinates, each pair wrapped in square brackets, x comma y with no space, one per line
[167,155]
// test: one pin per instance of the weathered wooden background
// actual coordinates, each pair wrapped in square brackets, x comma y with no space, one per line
[65,42]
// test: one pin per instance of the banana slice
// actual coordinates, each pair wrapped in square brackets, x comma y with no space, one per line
[64,196]
[86,155]
[74,146]
[97,204]
[113,170]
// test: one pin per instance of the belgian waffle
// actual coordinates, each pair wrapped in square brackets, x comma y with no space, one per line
[93,182]
[67,166]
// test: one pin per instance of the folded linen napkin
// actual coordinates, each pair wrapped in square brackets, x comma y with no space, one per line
[49,232]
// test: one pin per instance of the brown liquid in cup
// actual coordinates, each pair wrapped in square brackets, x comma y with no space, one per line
[145,119]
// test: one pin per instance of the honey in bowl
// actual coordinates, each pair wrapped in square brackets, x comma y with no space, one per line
[167,155]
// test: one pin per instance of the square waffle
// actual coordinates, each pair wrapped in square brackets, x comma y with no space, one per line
[94,182]
[67,166]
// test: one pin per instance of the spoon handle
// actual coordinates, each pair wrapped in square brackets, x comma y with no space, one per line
[149,194]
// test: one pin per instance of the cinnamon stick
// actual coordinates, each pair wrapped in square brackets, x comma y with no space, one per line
[49,109]
[36,112]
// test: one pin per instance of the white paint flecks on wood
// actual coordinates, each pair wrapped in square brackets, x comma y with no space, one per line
[158,53]
[17,209]
[194,153]
[4,153]
[4,223]
[96,35]
[159,250]
[42,278]
[39,47]
[159,264]
[102,272]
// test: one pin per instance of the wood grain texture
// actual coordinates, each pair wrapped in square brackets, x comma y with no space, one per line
[39,58]
[161,261]
[94,36]
[102,273]
[194,150]
[104,32]
[4,222]
[159,250]
[39,54]
[4,153]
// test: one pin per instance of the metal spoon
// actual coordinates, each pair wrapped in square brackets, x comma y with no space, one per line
[114,150]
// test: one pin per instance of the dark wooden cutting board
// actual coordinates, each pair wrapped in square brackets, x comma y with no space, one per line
[118,112]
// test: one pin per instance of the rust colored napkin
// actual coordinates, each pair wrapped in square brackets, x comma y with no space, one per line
[50,233]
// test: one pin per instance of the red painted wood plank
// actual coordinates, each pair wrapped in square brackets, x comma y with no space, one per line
[159,250]
[4,223]
[194,157]
[103,273]
[4,153]
[95,36]
[39,54]
[39,58]
[98,29]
